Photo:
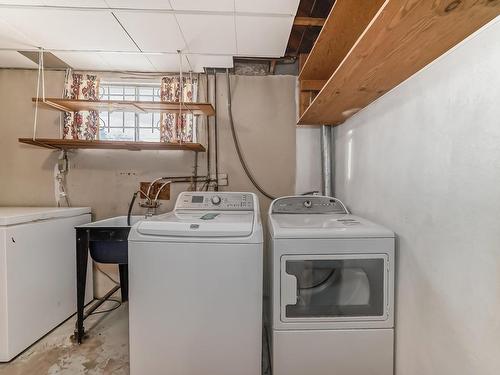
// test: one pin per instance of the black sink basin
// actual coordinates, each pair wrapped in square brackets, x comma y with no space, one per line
[108,239]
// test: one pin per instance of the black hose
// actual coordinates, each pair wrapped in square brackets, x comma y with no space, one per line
[216,135]
[130,206]
[237,143]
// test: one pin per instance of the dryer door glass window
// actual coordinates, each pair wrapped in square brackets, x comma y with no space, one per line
[336,287]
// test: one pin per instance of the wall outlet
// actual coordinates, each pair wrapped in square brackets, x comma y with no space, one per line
[126,173]
[223,179]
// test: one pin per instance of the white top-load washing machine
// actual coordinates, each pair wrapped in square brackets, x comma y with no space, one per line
[332,292]
[195,287]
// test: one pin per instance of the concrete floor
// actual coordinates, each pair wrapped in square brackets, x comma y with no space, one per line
[104,352]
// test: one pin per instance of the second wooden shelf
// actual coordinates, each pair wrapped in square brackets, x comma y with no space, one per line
[72,144]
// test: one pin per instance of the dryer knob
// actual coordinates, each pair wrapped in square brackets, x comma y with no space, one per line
[308,204]
[216,200]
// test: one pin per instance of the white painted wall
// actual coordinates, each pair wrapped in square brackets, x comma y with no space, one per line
[307,155]
[308,160]
[424,160]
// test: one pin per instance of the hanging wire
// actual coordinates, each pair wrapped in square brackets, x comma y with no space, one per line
[181,93]
[43,75]
[40,62]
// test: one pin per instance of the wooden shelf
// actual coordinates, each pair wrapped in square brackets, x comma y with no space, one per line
[401,39]
[70,144]
[75,105]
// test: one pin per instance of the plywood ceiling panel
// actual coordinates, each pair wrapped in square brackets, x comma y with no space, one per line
[204,5]
[55,29]
[262,36]
[153,32]
[13,59]
[266,6]
[208,34]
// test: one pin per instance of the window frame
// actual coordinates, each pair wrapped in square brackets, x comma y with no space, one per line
[135,95]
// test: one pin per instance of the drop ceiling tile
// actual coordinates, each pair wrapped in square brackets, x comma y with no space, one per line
[55,29]
[13,59]
[168,63]
[76,3]
[263,36]
[124,61]
[62,3]
[199,62]
[21,2]
[11,38]
[208,34]
[139,4]
[203,5]
[83,60]
[153,32]
[265,6]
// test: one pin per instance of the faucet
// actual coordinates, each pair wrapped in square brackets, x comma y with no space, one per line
[153,204]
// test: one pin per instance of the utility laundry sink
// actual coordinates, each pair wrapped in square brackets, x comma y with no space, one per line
[108,239]
[107,242]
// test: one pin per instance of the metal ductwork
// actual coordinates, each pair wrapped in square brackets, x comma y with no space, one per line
[327,161]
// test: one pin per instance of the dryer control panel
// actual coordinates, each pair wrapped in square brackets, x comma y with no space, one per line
[215,201]
[308,204]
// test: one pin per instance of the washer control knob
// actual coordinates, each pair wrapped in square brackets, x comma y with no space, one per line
[216,200]
[308,204]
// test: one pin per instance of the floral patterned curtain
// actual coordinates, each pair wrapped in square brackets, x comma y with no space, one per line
[84,124]
[175,128]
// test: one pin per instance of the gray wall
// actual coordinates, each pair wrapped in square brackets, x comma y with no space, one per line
[424,160]
[264,112]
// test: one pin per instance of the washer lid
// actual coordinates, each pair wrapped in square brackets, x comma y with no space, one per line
[199,224]
[324,226]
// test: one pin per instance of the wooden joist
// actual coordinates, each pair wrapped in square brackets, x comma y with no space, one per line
[309,21]
[312,85]
[346,22]
[402,38]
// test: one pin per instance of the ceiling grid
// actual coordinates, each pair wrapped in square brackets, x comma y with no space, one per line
[145,35]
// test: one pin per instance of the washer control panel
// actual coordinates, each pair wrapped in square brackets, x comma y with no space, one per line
[312,204]
[217,200]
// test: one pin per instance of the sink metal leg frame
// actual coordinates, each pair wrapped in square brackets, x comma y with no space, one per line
[82,254]
[123,268]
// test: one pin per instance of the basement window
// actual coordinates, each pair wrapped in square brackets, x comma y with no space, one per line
[129,126]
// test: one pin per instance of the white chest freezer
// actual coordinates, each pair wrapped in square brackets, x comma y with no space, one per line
[37,273]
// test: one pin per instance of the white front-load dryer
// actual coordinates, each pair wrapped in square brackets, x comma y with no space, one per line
[332,290]
[195,279]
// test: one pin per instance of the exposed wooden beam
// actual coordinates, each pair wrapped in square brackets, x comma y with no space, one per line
[345,23]
[309,21]
[302,60]
[402,39]
[312,85]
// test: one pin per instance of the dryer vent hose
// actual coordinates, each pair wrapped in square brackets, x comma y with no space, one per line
[237,143]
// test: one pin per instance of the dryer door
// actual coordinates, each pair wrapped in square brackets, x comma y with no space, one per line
[343,287]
